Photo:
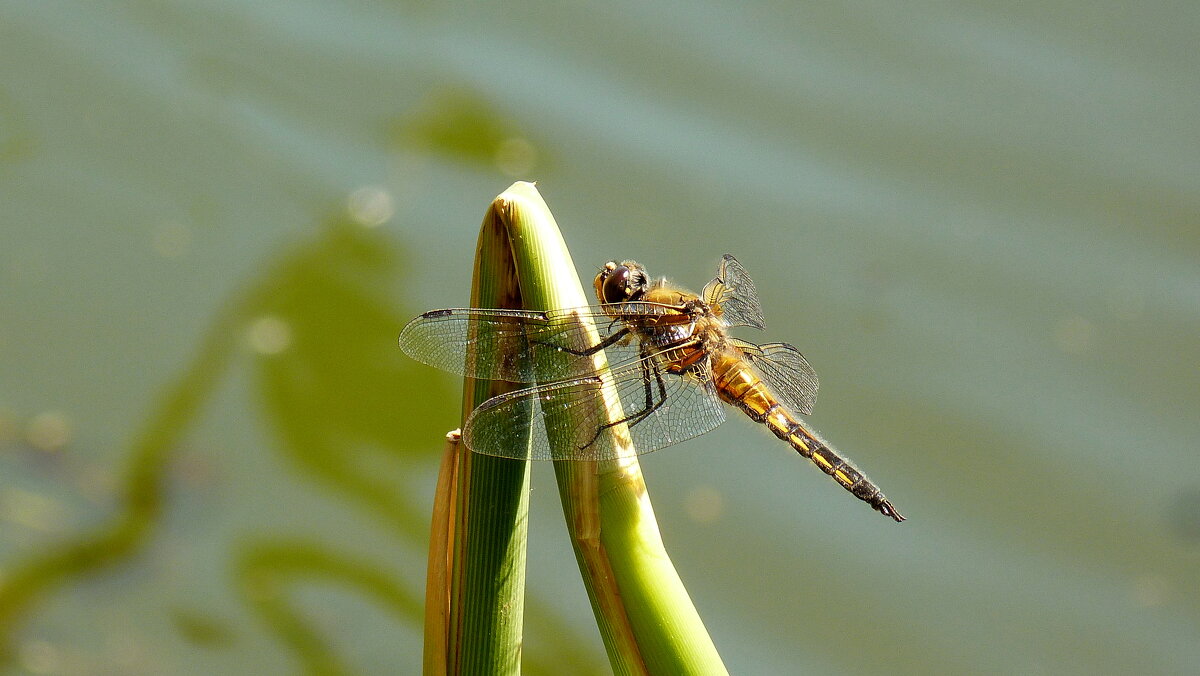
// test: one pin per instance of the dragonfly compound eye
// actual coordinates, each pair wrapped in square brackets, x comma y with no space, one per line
[616,285]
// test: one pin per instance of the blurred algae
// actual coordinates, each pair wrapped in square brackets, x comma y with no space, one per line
[268,570]
[341,402]
[460,123]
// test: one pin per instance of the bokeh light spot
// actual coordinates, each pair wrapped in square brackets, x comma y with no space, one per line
[371,206]
[269,335]
[48,431]
[32,510]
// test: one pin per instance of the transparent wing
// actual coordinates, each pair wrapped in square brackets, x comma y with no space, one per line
[566,420]
[785,371]
[733,292]
[522,345]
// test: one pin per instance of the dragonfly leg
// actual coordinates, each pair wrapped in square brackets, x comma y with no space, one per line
[589,351]
[651,405]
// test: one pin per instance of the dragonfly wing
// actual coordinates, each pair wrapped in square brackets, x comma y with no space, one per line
[512,345]
[568,420]
[733,292]
[785,371]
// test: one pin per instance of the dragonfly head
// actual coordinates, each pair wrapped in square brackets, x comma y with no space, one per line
[621,282]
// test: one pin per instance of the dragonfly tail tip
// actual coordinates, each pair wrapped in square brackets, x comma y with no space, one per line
[887,509]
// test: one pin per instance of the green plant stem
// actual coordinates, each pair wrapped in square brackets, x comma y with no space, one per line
[488,521]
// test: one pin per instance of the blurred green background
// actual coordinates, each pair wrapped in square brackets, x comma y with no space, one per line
[980,223]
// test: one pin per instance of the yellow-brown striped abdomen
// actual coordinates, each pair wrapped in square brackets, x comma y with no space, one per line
[739,384]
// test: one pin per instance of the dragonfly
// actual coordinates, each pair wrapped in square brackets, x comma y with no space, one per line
[673,366]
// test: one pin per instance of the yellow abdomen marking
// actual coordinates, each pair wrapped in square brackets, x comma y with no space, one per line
[779,422]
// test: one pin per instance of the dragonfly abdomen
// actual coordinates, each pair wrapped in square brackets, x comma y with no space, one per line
[739,385]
